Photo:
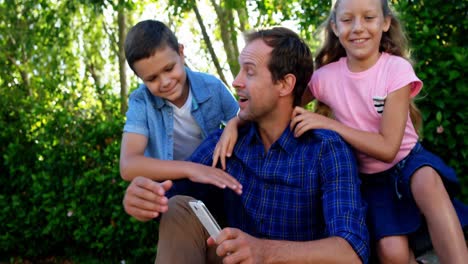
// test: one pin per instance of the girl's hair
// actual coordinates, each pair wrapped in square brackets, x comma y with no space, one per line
[393,41]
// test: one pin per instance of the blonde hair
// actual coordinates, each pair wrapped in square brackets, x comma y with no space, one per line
[393,41]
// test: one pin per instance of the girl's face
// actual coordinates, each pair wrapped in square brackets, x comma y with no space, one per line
[359,26]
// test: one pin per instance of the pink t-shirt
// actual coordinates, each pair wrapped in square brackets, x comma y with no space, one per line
[357,99]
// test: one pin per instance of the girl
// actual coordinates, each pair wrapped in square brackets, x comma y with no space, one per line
[364,76]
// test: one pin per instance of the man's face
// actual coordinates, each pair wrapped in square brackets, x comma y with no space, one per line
[257,93]
[164,74]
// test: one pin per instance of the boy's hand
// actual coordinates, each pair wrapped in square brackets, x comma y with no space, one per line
[145,199]
[226,143]
[209,175]
[235,246]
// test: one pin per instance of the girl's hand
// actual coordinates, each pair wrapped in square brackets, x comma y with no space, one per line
[303,120]
[226,143]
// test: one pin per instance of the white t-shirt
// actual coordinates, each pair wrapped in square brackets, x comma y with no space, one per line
[358,99]
[187,133]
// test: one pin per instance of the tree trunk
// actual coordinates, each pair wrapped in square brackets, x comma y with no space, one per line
[207,40]
[228,35]
[122,63]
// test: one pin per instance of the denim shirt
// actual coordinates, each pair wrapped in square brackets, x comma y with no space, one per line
[152,116]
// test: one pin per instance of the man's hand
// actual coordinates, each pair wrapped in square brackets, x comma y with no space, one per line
[235,246]
[145,199]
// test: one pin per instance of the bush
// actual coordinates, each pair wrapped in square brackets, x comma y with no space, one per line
[61,191]
[437,32]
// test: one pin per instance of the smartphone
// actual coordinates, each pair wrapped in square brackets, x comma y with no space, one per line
[205,217]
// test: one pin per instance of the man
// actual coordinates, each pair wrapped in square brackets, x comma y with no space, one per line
[300,200]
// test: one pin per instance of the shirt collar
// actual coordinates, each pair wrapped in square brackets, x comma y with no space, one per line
[286,141]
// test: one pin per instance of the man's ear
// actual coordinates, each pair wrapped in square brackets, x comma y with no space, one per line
[287,84]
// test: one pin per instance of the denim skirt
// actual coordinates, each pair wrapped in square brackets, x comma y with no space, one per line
[391,206]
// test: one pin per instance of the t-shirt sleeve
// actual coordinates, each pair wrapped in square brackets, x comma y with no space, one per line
[343,207]
[136,114]
[314,86]
[402,74]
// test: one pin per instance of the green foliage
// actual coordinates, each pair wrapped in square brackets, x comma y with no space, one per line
[60,189]
[61,193]
[437,30]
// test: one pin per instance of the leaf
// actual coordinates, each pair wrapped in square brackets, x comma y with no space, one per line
[439,117]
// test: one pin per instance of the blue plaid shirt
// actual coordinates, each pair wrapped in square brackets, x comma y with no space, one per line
[302,189]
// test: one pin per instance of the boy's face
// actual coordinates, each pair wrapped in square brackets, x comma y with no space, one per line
[164,74]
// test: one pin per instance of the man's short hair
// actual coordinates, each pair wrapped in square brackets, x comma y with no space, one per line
[290,55]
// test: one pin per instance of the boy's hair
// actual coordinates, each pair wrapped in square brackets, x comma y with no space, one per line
[290,55]
[145,38]
[393,41]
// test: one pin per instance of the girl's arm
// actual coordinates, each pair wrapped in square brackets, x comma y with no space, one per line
[226,142]
[383,145]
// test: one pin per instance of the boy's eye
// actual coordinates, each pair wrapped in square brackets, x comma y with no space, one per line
[168,69]
[369,17]
[151,78]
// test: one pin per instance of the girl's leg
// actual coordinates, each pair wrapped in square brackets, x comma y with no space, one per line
[395,250]
[444,227]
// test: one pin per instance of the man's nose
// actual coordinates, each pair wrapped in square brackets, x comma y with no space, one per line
[237,83]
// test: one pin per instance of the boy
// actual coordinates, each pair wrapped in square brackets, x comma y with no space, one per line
[171,112]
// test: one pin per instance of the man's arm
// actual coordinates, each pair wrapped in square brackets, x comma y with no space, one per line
[134,163]
[236,246]
[343,209]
